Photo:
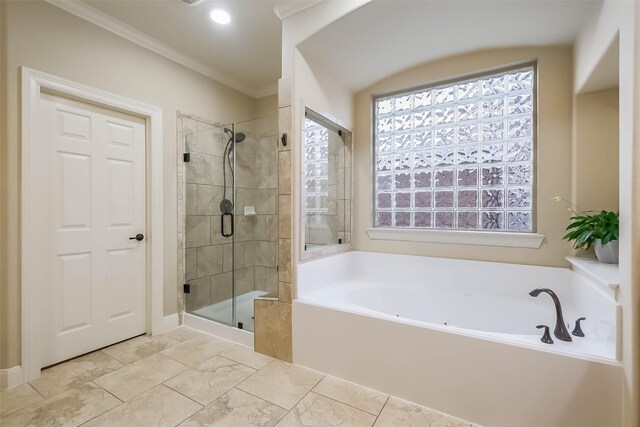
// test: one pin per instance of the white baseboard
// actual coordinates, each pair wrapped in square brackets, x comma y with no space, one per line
[11,377]
[170,322]
[210,327]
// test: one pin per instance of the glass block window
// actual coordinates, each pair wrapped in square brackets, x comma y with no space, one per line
[316,169]
[458,155]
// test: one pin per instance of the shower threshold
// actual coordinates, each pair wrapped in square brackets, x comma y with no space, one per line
[222,311]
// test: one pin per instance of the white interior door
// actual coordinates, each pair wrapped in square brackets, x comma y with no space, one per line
[92,167]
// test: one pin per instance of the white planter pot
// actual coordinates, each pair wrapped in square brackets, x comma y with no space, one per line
[607,253]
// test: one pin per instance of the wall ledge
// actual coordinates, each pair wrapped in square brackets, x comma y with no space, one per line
[459,237]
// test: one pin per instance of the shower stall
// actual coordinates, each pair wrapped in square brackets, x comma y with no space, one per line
[230,199]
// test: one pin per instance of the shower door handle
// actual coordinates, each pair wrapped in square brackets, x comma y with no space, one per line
[222,224]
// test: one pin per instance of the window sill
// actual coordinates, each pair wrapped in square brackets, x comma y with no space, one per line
[459,237]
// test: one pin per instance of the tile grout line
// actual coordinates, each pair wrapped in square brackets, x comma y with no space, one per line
[36,390]
[260,398]
[108,410]
[28,406]
[184,395]
[144,391]
[383,406]
[310,390]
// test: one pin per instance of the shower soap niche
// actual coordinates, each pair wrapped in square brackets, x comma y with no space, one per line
[249,210]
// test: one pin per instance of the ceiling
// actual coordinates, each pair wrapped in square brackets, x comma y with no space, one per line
[385,37]
[245,54]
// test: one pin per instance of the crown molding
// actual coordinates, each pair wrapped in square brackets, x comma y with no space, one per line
[109,23]
[285,9]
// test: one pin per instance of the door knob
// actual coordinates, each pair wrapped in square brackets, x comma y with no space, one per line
[137,237]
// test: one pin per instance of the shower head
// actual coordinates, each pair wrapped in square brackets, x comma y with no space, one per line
[240,136]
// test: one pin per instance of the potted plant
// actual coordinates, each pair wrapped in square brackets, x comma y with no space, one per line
[599,229]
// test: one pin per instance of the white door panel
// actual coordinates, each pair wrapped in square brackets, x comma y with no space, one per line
[95,170]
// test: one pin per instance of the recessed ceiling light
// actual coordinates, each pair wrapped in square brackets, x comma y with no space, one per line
[220,16]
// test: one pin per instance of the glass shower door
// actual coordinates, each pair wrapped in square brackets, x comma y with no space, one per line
[231,203]
[256,215]
[209,240]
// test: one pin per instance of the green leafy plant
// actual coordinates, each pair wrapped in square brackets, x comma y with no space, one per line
[586,228]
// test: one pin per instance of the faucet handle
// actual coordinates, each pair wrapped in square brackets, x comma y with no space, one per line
[577,330]
[546,337]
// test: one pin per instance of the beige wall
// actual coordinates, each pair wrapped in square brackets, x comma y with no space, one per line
[554,153]
[596,147]
[45,38]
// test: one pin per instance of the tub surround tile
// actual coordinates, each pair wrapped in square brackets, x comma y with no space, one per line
[267,163]
[285,121]
[281,383]
[399,412]
[158,407]
[236,408]
[285,91]
[284,292]
[284,260]
[365,399]
[195,351]
[284,223]
[134,379]
[18,398]
[140,347]
[184,333]
[74,372]
[70,408]
[272,330]
[319,411]
[246,356]
[284,170]
[210,380]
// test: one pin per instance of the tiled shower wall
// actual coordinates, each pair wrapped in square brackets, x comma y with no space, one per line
[273,317]
[205,256]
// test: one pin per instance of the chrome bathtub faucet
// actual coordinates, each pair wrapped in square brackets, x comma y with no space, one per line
[560,330]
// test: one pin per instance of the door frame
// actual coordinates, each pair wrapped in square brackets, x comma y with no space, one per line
[33,84]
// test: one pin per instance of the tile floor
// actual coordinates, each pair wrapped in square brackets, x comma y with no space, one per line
[190,379]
